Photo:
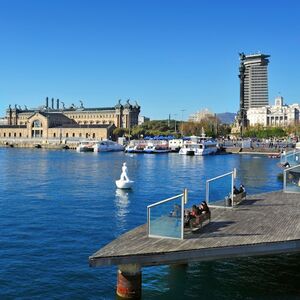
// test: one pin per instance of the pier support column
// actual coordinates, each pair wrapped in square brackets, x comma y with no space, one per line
[129,282]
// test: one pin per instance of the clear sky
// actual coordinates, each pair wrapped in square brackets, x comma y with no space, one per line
[168,55]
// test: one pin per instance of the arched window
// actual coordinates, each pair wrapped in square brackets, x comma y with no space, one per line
[37,124]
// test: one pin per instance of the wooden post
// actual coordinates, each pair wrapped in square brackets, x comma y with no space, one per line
[129,282]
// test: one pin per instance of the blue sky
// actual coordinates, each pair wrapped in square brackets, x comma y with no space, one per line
[168,55]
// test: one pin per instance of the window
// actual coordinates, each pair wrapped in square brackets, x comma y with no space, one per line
[54,134]
[73,135]
[67,135]
[80,134]
[37,123]
[20,134]
[15,134]
[94,135]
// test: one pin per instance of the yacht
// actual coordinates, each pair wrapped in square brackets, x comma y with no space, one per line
[139,148]
[158,148]
[85,146]
[199,146]
[107,146]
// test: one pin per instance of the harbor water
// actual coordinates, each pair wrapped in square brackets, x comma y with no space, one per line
[59,207]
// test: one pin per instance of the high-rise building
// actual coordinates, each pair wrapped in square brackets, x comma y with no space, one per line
[254,69]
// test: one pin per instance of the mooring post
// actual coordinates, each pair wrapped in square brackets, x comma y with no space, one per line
[129,282]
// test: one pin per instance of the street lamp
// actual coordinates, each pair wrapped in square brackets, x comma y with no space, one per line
[175,116]
[182,110]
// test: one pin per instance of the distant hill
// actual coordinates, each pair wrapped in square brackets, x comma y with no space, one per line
[226,118]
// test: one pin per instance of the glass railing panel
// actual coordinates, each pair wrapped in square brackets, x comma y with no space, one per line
[219,191]
[292,179]
[292,158]
[164,220]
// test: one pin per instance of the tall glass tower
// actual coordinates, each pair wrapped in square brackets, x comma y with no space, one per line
[254,70]
[253,85]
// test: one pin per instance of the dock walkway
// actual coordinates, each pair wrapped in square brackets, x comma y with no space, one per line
[263,224]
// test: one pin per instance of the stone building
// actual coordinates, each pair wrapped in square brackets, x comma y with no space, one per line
[74,122]
[201,115]
[274,115]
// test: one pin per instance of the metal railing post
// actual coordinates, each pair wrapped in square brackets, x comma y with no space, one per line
[207,192]
[183,202]
[232,185]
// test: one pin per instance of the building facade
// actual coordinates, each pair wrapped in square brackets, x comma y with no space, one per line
[74,122]
[201,115]
[255,72]
[274,115]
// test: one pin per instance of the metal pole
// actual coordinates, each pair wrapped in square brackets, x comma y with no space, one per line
[183,201]
[182,121]
[232,184]
[207,191]
[148,219]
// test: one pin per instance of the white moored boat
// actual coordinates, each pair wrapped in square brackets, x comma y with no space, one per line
[199,146]
[157,148]
[85,146]
[139,148]
[107,146]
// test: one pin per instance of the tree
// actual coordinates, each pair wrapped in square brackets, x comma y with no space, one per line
[118,132]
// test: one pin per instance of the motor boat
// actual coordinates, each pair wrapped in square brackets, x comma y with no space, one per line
[139,148]
[158,148]
[85,146]
[107,146]
[199,146]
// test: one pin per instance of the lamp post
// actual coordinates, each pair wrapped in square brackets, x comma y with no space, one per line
[183,110]
[175,116]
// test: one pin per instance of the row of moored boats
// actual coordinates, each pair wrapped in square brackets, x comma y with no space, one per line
[191,146]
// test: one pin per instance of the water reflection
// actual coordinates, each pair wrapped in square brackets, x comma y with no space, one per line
[121,203]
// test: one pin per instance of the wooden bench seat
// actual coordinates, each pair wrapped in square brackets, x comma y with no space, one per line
[197,223]
[237,198]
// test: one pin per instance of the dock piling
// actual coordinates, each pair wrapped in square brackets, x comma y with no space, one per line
[129,282]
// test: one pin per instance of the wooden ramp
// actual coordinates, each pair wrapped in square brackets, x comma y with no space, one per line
[263,224]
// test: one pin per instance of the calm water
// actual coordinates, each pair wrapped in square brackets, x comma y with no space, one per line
[57,208]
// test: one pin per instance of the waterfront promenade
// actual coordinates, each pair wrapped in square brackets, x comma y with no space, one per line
[263,224]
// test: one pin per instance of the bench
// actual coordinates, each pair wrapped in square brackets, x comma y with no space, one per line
[237,198]
[197,222]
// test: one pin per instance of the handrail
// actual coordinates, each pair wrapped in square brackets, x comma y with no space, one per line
[220,176]
[166,200]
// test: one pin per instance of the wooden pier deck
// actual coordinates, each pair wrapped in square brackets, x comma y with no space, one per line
[263,224]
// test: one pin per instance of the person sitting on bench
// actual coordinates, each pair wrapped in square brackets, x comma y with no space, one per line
[204,207]
[242,189]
